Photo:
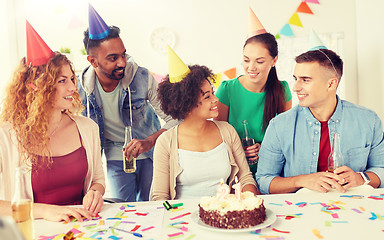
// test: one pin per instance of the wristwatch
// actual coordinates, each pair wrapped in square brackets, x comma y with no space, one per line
[365,178]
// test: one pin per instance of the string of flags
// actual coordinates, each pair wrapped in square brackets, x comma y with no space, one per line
[286,30]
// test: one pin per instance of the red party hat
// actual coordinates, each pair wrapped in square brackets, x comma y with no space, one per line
[38,52]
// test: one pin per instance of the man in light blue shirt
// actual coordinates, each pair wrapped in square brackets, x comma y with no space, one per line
[289,154]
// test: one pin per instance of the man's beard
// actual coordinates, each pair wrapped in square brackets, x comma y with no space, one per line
[113,76]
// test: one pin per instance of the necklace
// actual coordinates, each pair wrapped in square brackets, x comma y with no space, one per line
[57,127]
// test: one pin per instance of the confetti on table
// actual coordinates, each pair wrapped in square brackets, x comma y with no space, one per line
[328,223]
[182,215]
[132,210]
[141,214]
[317,233]
[375,197]
[176,209]
[184,229]
[190,237]
[373,216]
[287,202]
[356,210]
[362,209]
[340,221]
[175,223]
[352,196]
[148,228]
[128,222]
[280,231]
[175,234]
[122,207]
[315,203]
[276,204]
[114,238]
[335,215]
[135,228]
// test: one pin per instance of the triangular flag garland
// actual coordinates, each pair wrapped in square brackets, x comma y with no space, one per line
[287,31]
[295,19]
[230,73]
[304,8]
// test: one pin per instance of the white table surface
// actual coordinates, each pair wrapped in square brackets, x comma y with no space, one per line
[353,220]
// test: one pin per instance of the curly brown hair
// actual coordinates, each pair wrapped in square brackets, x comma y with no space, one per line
[28,109]
[180,98]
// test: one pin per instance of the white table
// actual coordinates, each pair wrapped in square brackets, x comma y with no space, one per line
[354,219]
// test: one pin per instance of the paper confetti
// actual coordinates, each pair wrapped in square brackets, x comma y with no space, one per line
[317,233]
[280,231]
[148,228]
[182,215]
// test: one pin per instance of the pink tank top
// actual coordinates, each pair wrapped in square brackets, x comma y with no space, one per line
[62,183]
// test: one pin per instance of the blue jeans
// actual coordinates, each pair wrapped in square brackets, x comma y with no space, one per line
[130,187]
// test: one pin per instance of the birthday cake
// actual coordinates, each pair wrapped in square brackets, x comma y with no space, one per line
[232,213]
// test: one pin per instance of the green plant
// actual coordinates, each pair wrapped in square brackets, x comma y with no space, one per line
[83,51]
[65,50]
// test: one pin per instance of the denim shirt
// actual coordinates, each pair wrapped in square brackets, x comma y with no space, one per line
[291,143]
[145,121]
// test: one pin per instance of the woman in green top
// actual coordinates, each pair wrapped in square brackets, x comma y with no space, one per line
[257,96]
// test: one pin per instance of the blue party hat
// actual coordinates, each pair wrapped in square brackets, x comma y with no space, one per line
[314,42]
[98,29]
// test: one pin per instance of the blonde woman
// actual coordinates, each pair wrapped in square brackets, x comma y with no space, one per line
[41,129]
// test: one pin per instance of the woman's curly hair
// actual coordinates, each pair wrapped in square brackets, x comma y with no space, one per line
[180,98]
[28,109]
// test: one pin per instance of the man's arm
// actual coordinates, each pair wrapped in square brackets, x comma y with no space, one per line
[139,146]
[320,181]
[271,164]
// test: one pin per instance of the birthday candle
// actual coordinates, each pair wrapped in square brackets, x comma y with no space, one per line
[222,190]
[237,187]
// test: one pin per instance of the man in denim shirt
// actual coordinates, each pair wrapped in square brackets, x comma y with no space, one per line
[294,151]
[112,88]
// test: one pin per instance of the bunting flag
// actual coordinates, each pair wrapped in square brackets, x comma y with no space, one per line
[304,8]
[295,20]
[159,78]
[312,1]
[230,73]
[287,31]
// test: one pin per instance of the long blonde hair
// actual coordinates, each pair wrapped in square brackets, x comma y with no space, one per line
[30,97]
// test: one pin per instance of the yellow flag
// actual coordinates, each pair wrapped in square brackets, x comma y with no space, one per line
[295,20]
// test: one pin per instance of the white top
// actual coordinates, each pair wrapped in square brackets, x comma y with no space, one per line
[202,172]
[113,126]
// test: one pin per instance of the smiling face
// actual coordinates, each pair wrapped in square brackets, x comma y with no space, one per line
[257,62]
[207,103]
[315,86]
[109,59]
[65,88]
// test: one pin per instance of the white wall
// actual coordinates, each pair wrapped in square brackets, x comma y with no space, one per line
[370,54]
[209,32]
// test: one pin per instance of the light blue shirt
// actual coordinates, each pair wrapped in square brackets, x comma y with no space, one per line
[291,143]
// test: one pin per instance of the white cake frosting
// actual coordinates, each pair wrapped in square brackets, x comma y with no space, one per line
[230,203]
